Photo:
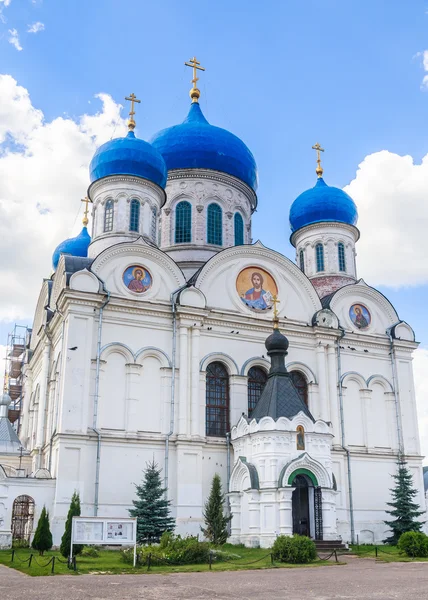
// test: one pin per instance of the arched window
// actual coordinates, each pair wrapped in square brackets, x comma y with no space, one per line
[215,225]
[22,518]
[239,229]
[257,378]
[108,216]
[217,400]
[153,224]
[320,257]
[134,218]
[341,254]
[183,222]
[300,384]
[302,261]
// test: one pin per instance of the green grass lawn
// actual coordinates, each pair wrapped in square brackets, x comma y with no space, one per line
[109,562]
[384,553]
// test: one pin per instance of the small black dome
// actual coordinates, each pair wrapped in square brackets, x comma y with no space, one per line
[276,341]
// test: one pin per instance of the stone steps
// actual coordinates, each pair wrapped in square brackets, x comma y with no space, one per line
[330,545]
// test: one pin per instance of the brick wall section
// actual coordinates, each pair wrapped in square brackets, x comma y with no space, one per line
[330,283]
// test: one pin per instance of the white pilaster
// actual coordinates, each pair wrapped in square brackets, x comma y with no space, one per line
[183,382]
[195,382]
[285,511]
[43,396]
[322,383]
[329,514]
[333,396]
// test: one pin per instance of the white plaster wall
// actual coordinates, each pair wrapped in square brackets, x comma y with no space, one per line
[121,190]
[329,235]
[200,188]
[135,383]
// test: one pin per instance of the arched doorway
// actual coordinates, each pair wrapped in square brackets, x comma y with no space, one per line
[22,518]
[306,504]
[300,505]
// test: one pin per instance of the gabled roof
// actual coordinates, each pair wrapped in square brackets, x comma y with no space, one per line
[280,398]
[9,441]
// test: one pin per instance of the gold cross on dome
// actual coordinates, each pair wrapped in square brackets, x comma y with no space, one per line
[319,170]
[275,301]
[195,65]
[85,219]
[132,99]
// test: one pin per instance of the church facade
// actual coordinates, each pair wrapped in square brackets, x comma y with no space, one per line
[149,338]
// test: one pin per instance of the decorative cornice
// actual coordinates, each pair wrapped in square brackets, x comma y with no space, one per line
[324,225]
[120,179]
[217,176]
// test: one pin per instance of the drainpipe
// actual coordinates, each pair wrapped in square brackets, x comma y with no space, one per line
[96,396]
[342,427]
[173,361]
[229,524]
[396,394]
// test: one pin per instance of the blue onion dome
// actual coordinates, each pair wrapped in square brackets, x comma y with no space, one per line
[322,203]
[77,246]
[195,144]
[128,156]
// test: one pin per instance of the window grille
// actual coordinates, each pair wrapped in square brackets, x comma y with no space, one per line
[239,229]
[320,257]
[183,223]
[153,225]
[22,518]
[217,400]
[300,384]
[302,261]
[257,378]
[341,253]
[215,225]
[134,218]
[108,216]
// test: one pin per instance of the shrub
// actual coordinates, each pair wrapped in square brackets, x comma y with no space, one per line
[90,552]
[172,550]
[296,549]
[414,543]
[42,540]
[19,543]
[73,511]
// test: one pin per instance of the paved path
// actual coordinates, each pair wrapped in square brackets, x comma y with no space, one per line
[360,579]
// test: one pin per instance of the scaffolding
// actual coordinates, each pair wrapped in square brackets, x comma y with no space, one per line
[17,343]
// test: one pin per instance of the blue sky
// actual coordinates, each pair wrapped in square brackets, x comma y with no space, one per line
[281,75]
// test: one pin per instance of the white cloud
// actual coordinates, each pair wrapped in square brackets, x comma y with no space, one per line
[14,39]
[391,193]
[424,56]
[420,369]
[43,175]
[35,27]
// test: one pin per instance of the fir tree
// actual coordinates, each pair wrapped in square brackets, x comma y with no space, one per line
[215,521]
[42,540]
[73,511]
[151,507]
[404,510]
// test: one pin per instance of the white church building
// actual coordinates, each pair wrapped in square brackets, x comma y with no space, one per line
[148,341]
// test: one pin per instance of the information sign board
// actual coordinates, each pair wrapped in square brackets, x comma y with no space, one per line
[104,531]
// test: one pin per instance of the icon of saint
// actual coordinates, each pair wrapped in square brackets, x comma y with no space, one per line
[256,297]
[300,438]
[136,284]
[360,320]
